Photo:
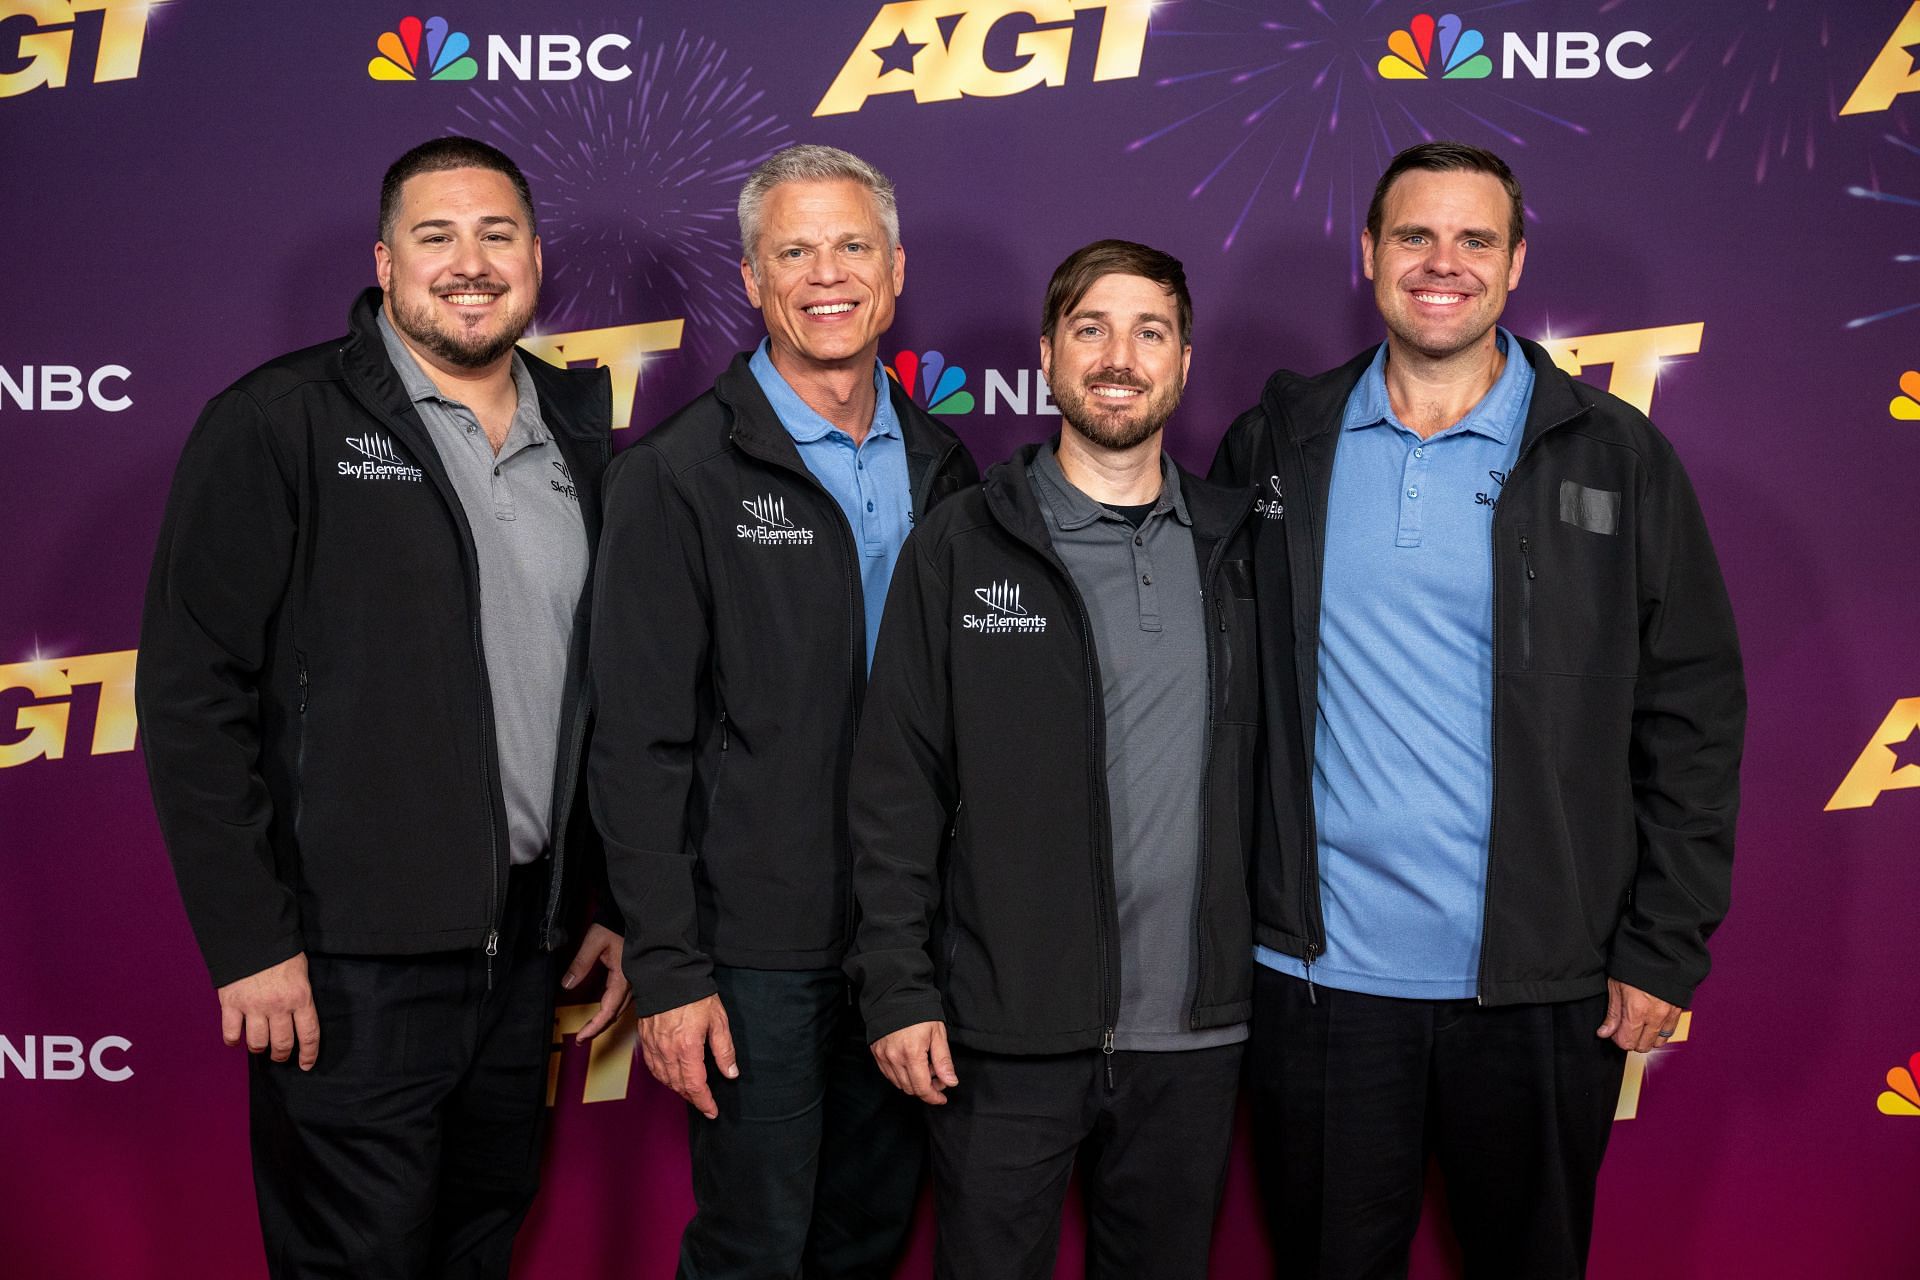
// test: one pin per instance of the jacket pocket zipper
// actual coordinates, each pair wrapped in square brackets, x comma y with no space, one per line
[1526,603]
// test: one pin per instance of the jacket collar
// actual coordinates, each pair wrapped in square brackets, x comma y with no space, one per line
[758,429]
[1308,407]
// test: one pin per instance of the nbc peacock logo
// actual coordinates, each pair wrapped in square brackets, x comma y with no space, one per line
[1901,1097]
[931,382]
[417,50]
[1425,44]
[1906,406]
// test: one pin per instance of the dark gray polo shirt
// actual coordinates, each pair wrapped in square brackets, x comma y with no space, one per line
[1142,591]
[532,544]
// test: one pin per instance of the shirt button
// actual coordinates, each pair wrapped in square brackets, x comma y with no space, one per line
[1419,453]
[869,506]
[1146,579]
[1138,541]
[1413,493]
[496,471]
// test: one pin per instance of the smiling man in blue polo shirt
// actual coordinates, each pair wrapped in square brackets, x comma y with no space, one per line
[1505,711]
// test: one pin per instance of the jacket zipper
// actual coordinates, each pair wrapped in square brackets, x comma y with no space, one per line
[300,746]
[1526,605]
[1315,925]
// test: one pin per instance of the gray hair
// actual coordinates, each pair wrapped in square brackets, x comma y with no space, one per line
[811,162]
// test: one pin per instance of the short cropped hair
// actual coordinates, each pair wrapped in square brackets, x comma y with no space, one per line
[1451,157]
[812,162]
[1087,264]
[437,155]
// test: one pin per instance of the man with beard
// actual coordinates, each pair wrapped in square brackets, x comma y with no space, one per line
[750,539]
[1050,808]
[362,695]
[1504,715]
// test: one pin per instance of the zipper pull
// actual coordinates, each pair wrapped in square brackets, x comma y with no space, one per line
[493,949]
[1311,998]
[1220,610]
[1526,558]
[723,728]
[1106,1047]
[303,689]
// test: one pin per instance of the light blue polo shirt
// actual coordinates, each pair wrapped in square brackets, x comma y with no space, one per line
[1403,741]
[869,481]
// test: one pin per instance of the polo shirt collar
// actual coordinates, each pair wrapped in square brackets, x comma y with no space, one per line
[1500,413]
[1073,509]
[799,418]
[527,426]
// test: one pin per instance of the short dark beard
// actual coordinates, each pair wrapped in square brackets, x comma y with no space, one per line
[419,330]
[1083,414]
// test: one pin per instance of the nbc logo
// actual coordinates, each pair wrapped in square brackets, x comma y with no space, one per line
[446,52]
[1906,406]
[1901,1097]
[1445,48]
[932,383]
[1425,44]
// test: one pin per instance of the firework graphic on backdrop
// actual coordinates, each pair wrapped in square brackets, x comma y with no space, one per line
[1770,82]
[1303,114]
[637,182]
[1906,157]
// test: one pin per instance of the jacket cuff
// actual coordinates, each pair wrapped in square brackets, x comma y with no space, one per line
[1660,983]
[905,1011]
[233,964]
[656,991]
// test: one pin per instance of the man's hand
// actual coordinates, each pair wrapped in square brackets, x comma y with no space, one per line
[603,945]
[1636,1021]
[916,1060]
[272,1009]
[674,1044]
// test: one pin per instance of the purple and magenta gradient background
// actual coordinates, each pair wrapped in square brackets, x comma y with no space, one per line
[219,210]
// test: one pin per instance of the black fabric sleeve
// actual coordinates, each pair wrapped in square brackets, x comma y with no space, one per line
[650,653]
[901,800]
[220,573]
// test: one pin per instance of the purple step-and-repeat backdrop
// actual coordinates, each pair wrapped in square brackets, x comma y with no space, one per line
[1722,202]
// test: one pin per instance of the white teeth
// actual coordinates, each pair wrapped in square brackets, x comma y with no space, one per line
[829,309]
[1440,299]
[469,299]
[1116,393]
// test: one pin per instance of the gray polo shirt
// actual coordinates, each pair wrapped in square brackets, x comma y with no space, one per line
[532,543]
[1142,590]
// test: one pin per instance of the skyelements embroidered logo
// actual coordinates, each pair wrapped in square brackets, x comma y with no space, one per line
[381,460]
[1006,616]
[771,527]
[1271,508]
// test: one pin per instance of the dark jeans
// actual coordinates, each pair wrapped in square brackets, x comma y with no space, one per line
[1352,1092]
[814,1163]
[413,1146]
[1151,1146]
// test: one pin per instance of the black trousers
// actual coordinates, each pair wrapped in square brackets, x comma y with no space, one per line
[1351,1093]
[413,1146]
[1151,1146]
[814,1163]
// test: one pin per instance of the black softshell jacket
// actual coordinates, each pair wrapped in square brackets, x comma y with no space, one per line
[1619,704]
[312,690]
[729,664]
[982,836]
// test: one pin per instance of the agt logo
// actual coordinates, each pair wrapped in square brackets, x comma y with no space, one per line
[1447,49]
[621,349]
[64,1058]
[609,1054]
[60,387]
[1890,762]
[42,717]
[46,45]
[432,50]
[938,49]
[1890,74]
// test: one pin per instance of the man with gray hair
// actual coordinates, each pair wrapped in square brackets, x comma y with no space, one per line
[748,545]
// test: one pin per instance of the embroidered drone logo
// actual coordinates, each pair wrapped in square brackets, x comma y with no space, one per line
[769,511]
[1425,44]
[1902,1094]
[932,383]
[400,52]
[1002,597]
[1906,407]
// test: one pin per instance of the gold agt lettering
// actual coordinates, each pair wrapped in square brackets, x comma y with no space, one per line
[1890,762]
[47,47]
[609,1054]
[938,49]
[1891,74]
[1635,355]
[49,683]
[1631,1082]
[622,349]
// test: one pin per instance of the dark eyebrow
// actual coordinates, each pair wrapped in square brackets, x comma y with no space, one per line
[1472,233]
[1155,316]
[448,224]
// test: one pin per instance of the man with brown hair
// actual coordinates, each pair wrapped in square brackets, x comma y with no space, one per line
[1050,809]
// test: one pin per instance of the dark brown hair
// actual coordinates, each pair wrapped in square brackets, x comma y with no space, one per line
[437,155]
[1450,157]
[1085,265]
